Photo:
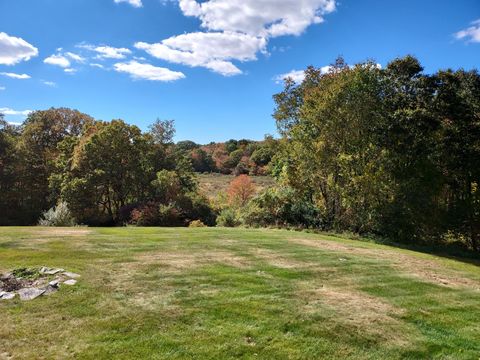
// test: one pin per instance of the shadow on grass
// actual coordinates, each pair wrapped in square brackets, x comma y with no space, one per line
[9,245]
[455,251]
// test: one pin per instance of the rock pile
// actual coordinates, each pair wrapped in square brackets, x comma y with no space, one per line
[30,283]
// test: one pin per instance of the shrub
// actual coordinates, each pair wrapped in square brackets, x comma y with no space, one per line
[196,224]
[233,159]
[194,206]
[241,169]
[57,216]
[228,218]
[145,215]
[281,207]
[262,156]
[169,215]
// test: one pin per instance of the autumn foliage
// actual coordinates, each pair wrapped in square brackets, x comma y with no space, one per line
[241,190]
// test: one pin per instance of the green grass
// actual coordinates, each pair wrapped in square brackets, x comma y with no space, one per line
[213,293]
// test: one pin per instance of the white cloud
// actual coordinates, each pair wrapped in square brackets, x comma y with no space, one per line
[296,75]
[267,18]
[139,71]
[471,34]
[49,83]
[100,66]
[75,57]
[15,76]
[236,30]
[299,75]
[134,3]
[8,111]
[58,60]
[214,51]
[107,52]
[2,88]
[70,70]
[14,49]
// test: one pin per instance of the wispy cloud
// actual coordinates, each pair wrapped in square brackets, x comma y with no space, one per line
[134,3]
[49,83]
[16,76]
[140,71]
[298,75]
[107,52]
[470,34]
[9,111]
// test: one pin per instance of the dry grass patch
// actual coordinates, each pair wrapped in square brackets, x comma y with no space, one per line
[61,232]
[187,260]
[358,311]
[123,278]
[274,259]
[424,269]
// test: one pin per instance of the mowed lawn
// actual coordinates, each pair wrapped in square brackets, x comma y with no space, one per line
[213,293]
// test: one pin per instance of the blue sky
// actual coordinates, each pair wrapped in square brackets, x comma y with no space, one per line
[211,65]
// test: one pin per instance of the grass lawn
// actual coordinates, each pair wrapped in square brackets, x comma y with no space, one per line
[213,293]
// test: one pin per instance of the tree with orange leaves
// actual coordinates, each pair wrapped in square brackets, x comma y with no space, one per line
[241,190]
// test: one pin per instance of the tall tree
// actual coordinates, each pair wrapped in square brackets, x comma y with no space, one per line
[107,171]
[163,131]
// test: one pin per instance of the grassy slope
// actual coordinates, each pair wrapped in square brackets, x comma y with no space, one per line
[229,293]
[214,184]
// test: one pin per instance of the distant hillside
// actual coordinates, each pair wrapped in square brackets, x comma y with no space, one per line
[232,157]
[214,184]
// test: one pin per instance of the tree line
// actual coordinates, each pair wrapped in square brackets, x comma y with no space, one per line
[109,173]
[392,152]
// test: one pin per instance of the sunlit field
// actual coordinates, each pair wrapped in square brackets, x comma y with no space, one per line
[214,293]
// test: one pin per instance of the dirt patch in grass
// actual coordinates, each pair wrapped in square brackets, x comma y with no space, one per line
[424,269]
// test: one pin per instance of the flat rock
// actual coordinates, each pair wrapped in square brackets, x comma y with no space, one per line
[4,295]
[54,283]
[30,293]
[71,275]
[48,271]
[70,282]
[50,289]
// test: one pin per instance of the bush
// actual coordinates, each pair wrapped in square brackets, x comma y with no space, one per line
[194,206]
[169,216]
[233,159]
[58,216]
[241,169]
[196,224]
[262,156]
[146,215]
[281,207]
[228,218]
